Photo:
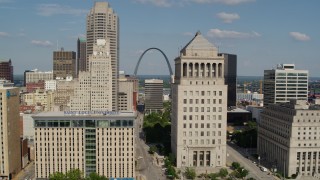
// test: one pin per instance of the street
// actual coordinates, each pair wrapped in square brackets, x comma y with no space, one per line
[145,166]
[254,170]
[27,173]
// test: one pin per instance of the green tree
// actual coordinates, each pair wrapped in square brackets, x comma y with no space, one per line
[152,149]
[242,173]
[95,176]
[213,176]
[190,173]
[235,165]
[57,176]
[223,173]
[74,174]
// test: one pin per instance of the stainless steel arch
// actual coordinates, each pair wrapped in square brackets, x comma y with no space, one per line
[137,66]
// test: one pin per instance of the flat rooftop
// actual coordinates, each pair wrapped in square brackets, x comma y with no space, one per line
[86,114]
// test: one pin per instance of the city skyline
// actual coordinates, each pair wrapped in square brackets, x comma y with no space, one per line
[261,33]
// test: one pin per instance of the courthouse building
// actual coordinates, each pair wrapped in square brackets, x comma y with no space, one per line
[199,107]
[289,137]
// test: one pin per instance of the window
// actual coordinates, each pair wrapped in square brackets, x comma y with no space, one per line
[184,101]
[220,93]
[184,117]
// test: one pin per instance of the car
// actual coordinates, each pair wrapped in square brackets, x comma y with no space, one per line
[263,169]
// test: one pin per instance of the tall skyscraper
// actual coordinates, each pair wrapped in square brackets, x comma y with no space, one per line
[153,90]
[6,70]
[284,83]
[10,159]
[230,77]
[64,64]
[93,91]
[288,137]
[102,23]
[199,107]
[81,55]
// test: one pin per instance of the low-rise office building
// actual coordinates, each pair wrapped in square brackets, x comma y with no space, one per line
[91,141]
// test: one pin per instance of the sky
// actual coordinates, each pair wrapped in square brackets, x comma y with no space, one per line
[262,33]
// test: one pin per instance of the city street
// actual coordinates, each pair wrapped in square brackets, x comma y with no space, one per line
[145,165]
[254,170]
[27,173]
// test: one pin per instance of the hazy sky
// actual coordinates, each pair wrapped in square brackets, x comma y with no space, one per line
[262,33]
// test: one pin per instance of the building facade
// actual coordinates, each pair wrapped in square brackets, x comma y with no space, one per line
[102,23]
[50,85]
[64,64]
[199,107]
[10,159]
[32,86]
[34,76]
[6,70]
[288,137]
[284,83]
[64,92]
[90,142]
[39,98]
[93,89]
[81,55]
[230,77]
[126,94]
[153,95]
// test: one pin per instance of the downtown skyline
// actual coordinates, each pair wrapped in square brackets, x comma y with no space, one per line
[261,33]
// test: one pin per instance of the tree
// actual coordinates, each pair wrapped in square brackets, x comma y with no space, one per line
[190,173]
[74,174]
[235,165]
[242,173]
[57,176]
[223,173]
[95,176]
[152,149]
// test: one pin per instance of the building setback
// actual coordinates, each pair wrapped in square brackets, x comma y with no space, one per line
[153,95]
[102,23]
[284,83]
[92,141]
[199,107]
[64,64]
[6,70]
[288,137]
[10,159]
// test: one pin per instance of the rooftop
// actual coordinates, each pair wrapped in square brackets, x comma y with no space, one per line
[86,114]
[199,42]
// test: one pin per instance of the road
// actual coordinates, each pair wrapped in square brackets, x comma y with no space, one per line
[27,173]
[145,166]
[254,170]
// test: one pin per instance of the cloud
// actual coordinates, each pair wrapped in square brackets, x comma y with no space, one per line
[299,36]
[56,9]
[159,3]
[228,17]
[188,34]
[42,43]
[226,2]
[217,33]
[21,34]
[4,34]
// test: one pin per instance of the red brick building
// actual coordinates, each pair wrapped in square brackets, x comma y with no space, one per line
[6,70]
[32,86]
